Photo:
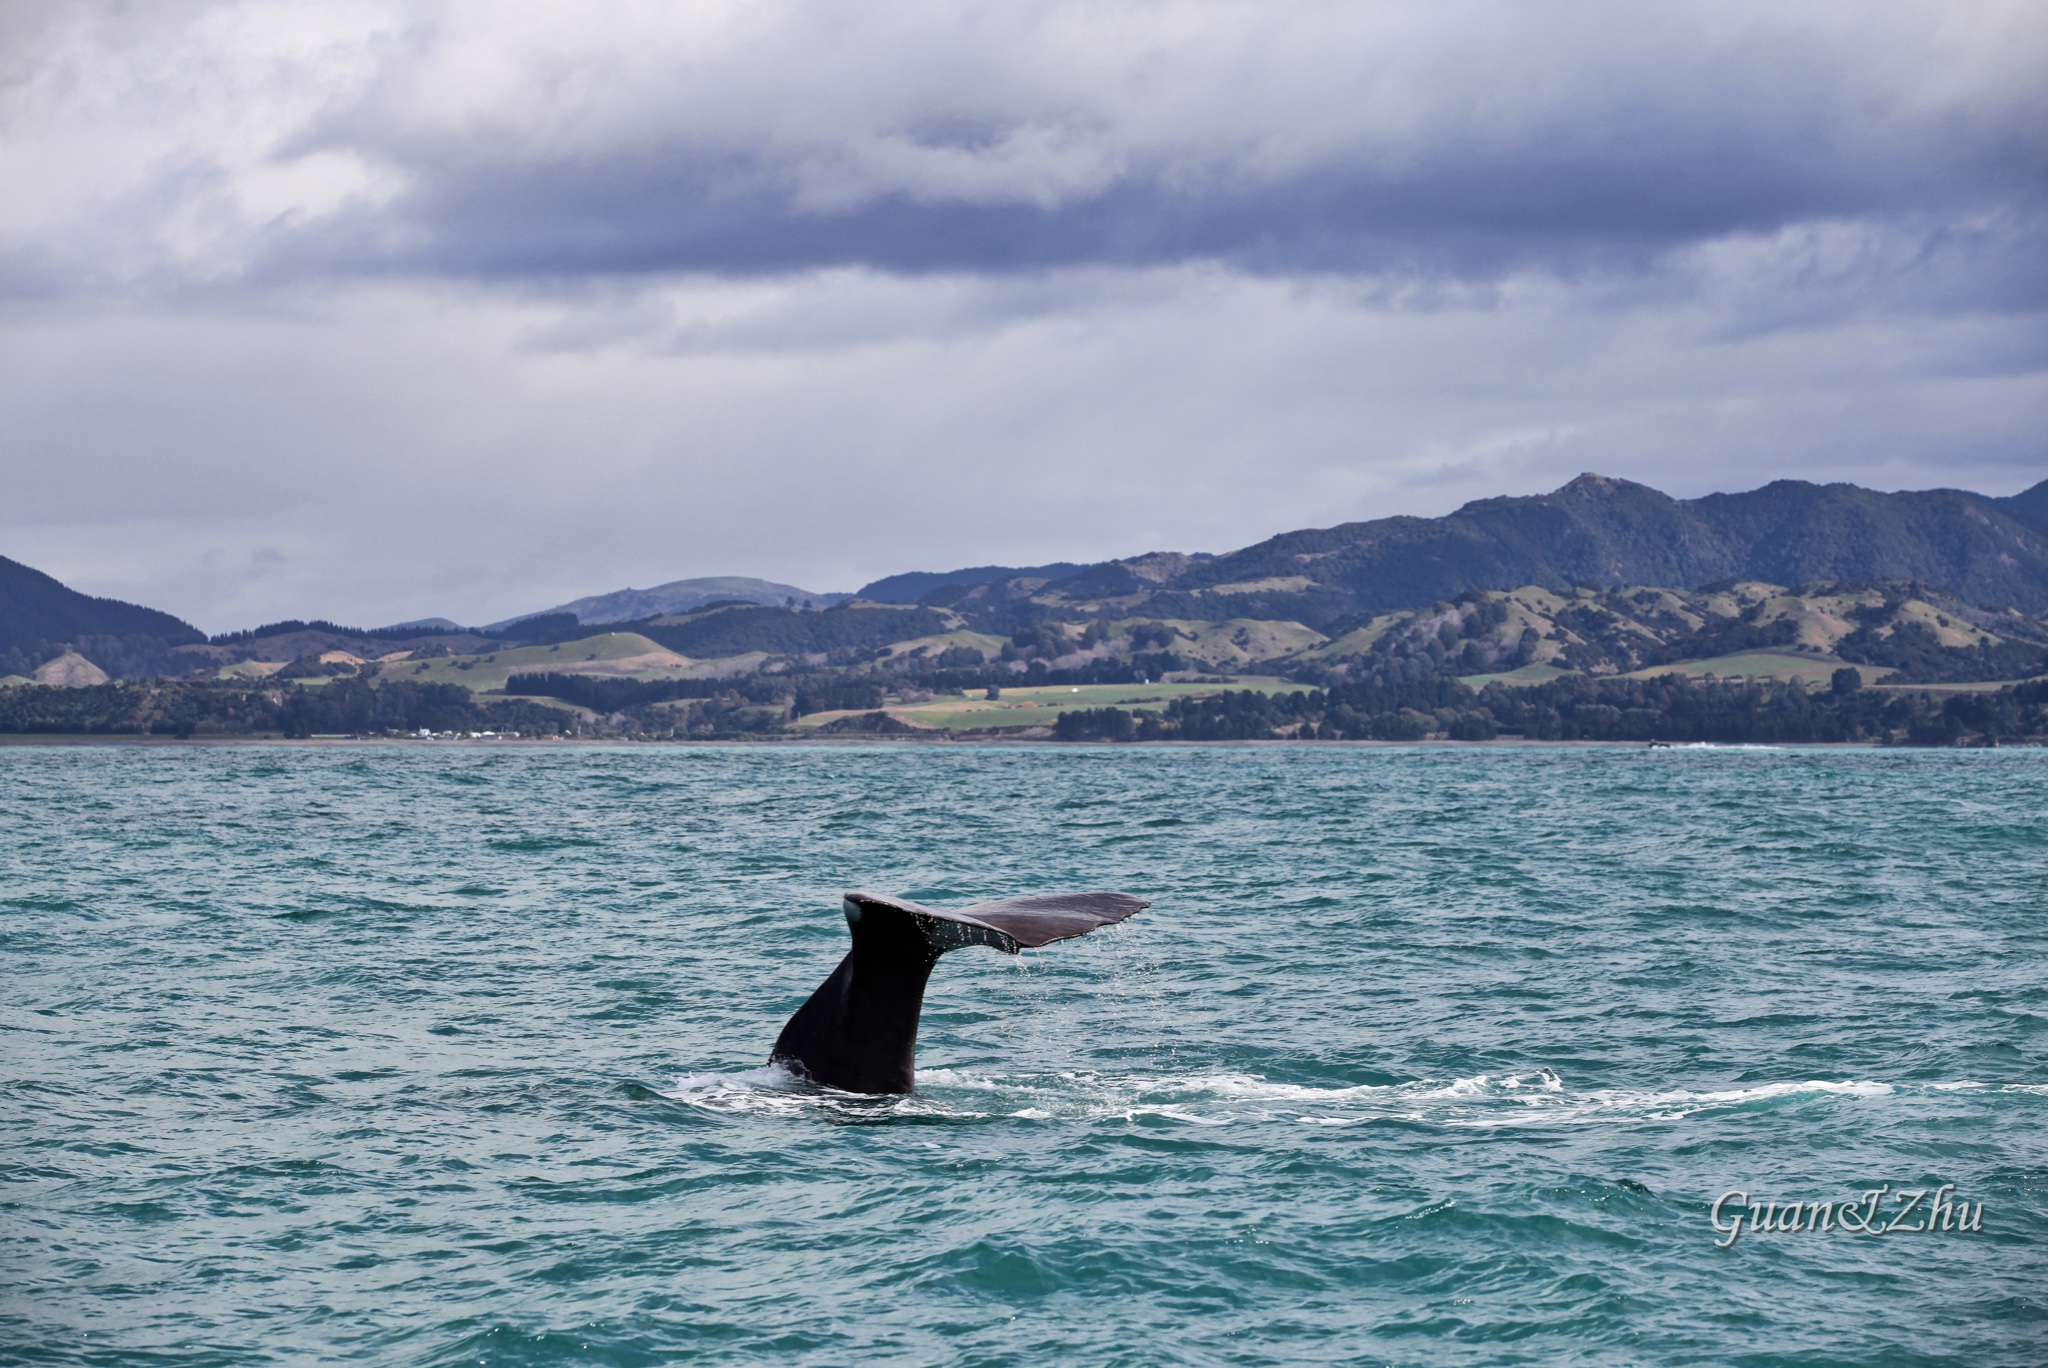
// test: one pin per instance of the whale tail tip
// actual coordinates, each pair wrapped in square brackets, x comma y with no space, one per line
[858,1031]
[1019,923]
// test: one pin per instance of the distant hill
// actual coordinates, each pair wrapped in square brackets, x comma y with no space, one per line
[2029,506]
[677,596]
[913,585]
[417,626]
[281,642]
[38,615]
[1906,632]
[783,631]
[34,607]
[1594,531]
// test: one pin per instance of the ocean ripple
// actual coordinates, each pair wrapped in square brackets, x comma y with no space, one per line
[1427,1055]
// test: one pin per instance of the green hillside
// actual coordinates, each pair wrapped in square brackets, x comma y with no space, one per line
[1902,632]
[1034,707]
[1897,633]
[616,654]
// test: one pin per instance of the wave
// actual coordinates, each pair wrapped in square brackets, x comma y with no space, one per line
[1718,745]
[773,1090]
[1484,1101]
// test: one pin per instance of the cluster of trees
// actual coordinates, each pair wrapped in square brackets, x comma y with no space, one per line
[24,660]
[952,658]
[1043,641]
[607,694]
[355,706]
[1612,636]
[730,715]
[525,630]
[1669,708]
[1370,711]
[747,705]
[1586,709]
[836,695]
[1132,669]
[311,666]
[129,708]
[182,708]
[286,628]
[124,655]
[1463,638]
[1716,637]
[1913,649]
[1046,639]
[698,708]
[1459,641]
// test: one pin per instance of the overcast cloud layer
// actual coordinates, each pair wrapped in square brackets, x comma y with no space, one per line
[381,310]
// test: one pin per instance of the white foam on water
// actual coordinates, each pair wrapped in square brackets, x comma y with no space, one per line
[1719,745]
[1681,1103]
[773,1090]
[737,1091]
[951,1078]
[1481,1101]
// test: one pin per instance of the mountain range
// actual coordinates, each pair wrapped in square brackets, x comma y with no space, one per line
[1594,532]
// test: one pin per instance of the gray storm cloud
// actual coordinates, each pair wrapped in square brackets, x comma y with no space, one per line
[516,140]
[646,290]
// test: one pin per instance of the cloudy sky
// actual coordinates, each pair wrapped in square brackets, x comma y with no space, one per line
[380,309]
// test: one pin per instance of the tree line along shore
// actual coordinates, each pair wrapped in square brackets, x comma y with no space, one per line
[1667,708]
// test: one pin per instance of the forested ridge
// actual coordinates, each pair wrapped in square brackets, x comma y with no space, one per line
[1669,708]
[184,708]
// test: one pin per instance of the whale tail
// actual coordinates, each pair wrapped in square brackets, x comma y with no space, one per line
[858,1031]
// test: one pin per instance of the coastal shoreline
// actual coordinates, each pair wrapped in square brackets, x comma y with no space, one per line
[772,743]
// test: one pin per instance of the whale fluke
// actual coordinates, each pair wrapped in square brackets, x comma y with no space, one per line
[858,1032]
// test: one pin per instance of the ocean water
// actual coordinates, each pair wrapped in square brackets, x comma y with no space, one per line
[447,1055]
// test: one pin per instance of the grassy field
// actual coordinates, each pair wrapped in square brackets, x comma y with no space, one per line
[1763,665]
[983,642]
[1528,674]
[625,655]
[250,669]
[1968,686]
[1235,643]
[1041,707]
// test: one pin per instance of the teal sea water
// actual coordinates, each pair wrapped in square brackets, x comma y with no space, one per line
[449,1055]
